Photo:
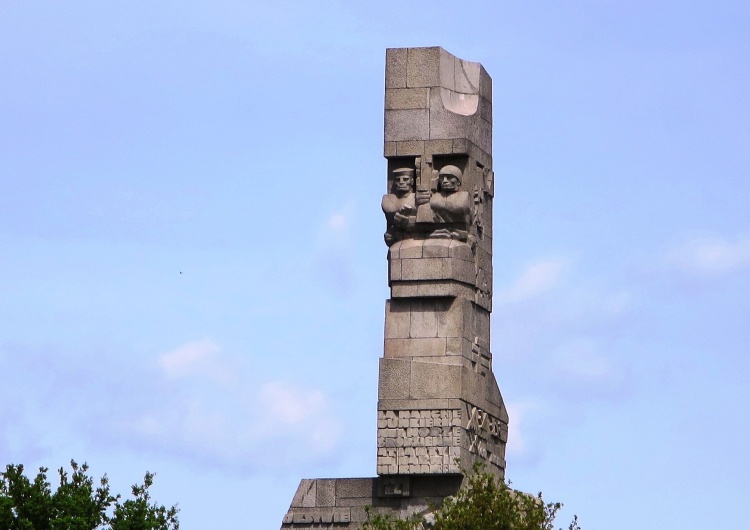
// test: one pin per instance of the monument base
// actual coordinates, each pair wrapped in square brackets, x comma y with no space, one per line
[336,503]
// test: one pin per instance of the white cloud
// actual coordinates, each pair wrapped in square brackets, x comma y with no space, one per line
[516,412]
[189,358]
[579,370]
[536,279]
[180,404]
[290,409]
[710,255]
[197,358]
[338,222]
[333,254]
[291,405]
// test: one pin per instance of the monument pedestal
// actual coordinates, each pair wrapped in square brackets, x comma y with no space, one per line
[329,503]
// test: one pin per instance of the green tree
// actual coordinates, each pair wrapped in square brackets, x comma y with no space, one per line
[482,503]
[77,504]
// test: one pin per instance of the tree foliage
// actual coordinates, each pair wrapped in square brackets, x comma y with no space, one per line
[77,503]
[482,503]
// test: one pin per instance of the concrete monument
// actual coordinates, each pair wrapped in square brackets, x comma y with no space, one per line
[439,406]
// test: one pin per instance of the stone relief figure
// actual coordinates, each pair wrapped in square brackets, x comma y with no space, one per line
[399,206]
[451,206]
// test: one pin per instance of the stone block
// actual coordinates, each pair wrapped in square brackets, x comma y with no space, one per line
[451,321]
[353,488]
[410,248]
[421,404]
[397,319]
[431,380]
[439,147]
[478,154]
[473,387]
[467,76]
[405,290]
[460,146]
[460,250]
[326,492]
[401,125]
[454,346]
[456,269]
[410,148]
[447,70]
[389,150]
[423,67]
[418,347]
[444,288]
[424,318]
[482,320]
[407,98]
[485,85]
[394,378]
[394,270]
[443,123]
[481,135]
[436,487]
[422,269]
[395,67]
[305,496]
[485,109]
[436,248]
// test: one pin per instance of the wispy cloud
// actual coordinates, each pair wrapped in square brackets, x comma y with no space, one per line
[579,370]
[333,261]
[516,442]
[537,278]
[194,402]
[200,357]
[710,255]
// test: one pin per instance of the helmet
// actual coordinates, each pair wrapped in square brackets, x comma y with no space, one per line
[452,171]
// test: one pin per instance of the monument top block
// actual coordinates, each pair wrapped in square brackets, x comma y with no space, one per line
[432,96]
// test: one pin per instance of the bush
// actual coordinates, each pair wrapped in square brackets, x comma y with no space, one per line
[482,503]
[76,504]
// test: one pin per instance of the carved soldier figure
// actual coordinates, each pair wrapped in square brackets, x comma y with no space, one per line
[399,207]
[450,205]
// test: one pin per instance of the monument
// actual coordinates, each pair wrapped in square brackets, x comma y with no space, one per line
[439,406]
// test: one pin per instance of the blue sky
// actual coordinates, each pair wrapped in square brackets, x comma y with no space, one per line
[192,275]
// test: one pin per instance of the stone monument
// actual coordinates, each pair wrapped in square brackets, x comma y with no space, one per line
[439,406]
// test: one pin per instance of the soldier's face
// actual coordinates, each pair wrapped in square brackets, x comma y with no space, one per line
[448,183]
[404,183]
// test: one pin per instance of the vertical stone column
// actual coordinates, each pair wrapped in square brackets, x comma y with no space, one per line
[439,406]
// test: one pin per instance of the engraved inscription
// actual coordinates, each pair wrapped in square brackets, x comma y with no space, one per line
[419,441]
[486,435]
[317,516]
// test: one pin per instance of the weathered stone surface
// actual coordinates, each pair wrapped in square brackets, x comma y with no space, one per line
[407,98]
[410,124]
[395,375]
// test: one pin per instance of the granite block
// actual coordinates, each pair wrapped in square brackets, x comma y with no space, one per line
[407,98]
[395,375]
[395,67]
[401,125]
[423,67]
[397,319]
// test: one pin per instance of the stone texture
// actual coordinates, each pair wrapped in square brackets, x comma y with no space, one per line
[395,67]
[395,375]
[407,124]
[407,98]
